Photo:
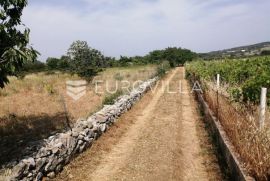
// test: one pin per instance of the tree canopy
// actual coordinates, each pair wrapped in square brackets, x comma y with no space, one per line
[175,56]
[84,60]
[14,39]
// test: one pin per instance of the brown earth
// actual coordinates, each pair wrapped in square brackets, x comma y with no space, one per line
[161,138]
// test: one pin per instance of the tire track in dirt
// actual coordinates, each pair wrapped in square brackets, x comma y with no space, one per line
[161,144]
[121,154]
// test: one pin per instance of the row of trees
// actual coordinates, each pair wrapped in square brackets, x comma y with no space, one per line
[87,62]
[175,56]
[17,57]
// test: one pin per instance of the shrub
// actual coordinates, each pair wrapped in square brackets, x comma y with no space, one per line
[162,69]
[52,63]
[109,99]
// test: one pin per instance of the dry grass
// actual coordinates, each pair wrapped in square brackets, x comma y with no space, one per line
[252,144]
[32,108]
[209,152]
[88,161]
[160,143]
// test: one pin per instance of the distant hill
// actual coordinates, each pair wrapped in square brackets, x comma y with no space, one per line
[242,51]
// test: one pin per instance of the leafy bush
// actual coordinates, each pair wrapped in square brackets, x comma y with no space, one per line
[109,99]
[52,63]
[125,61]
[162,68]
[35,66]
[30,67]
[63,63]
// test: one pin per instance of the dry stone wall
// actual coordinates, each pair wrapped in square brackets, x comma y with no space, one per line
[59,149]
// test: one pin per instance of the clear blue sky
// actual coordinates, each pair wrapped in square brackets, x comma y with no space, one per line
[135,27]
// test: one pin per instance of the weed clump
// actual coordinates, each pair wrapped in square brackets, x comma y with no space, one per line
[162,68]
[110,99]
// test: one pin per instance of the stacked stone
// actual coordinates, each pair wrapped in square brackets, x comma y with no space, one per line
[59,149]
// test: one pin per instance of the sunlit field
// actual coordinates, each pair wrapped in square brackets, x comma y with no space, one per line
[33,108]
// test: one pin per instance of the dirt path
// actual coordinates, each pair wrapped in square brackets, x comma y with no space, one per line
[160,140]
